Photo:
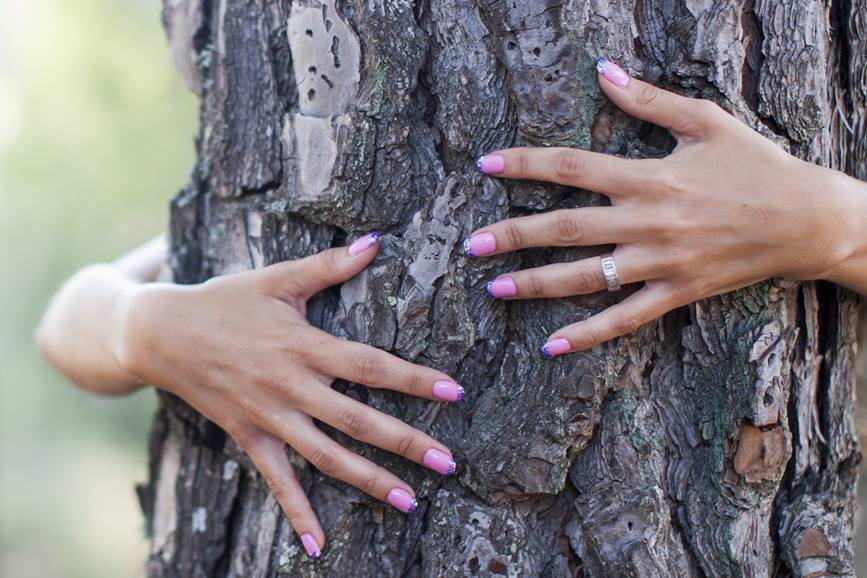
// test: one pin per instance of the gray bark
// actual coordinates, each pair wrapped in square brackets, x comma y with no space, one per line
[716,441]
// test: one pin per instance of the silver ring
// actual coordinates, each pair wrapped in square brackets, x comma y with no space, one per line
[609,271]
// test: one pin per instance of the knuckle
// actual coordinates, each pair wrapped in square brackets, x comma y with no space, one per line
[279,485]
[570,165]
[535,287]
[326,261]
[323,460]
[569,227]
[270,381]
[514,234]
[678,264]
[588,338]
[707,108]
[416,385]
[370,483]
[522,161]
[407,444]
[293,516]
[648,94]
[628,323]
[354,423]
[708,114]
[368,368]
[241,433]
[586,280]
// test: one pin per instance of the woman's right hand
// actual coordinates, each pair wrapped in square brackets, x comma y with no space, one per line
[240,350]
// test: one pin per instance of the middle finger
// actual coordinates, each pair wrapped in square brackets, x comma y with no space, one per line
[564,228]
[368,425]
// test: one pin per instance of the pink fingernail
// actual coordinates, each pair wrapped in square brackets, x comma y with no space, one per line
[402,500]
[502,287]
[556,347]
[447,390]
[480,244]
[491,164]
[310,545]
[364,243]
[612,73]
[440,462]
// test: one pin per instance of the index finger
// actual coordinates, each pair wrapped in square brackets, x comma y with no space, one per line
[607,174]
[360,363]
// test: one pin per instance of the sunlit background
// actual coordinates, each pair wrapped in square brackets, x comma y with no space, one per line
[96,135]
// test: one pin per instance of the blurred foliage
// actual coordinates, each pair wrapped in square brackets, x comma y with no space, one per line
[96,135]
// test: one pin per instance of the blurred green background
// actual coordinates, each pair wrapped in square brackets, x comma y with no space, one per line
[96,135]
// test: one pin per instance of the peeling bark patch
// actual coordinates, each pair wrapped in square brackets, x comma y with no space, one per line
[325,58]
[813,544]
[761,454]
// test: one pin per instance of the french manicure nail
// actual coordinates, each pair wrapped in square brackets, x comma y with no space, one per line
[447,390]
[439,462]
[491,164]
[502,287]
[310,545]
[402,500]
[556,347]
[364,243]
[480,244]
[612,73]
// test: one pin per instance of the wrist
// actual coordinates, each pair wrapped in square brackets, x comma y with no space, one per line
[139,313]
[849,266]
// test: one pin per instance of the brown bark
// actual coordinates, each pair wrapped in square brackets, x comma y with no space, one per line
[716,441]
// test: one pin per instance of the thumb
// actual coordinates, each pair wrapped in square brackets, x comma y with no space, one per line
[305,277]
[681,115]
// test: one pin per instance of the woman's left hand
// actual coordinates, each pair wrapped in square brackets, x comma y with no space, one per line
[726,209]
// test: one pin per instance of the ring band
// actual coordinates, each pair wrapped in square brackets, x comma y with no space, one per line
[609,271]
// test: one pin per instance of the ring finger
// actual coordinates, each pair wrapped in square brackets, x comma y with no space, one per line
[334,460]
[566,279]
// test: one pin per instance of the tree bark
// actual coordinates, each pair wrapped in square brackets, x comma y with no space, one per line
[718,441]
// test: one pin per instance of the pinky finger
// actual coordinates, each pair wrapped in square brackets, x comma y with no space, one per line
[269,455]
[645,305]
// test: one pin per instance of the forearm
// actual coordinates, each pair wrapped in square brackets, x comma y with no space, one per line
[851,272]
[81,332]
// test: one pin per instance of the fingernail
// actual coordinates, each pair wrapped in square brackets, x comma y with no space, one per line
[502,287]
[447,390]
[480,244]
[612,73]
[364,243]
[402,500]
[439,462]
[556,347]
[310,545]
[491,164]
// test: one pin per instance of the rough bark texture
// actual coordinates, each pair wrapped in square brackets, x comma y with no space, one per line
[717,441]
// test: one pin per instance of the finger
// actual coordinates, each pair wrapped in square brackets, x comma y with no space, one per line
[269,455]
[646,304]
[373,367]
[373,427]
[303,278]
[566,279]
[613,176]
[563,228]
[334,460]
[685,117]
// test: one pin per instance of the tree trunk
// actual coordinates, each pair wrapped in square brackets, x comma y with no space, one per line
[717,441]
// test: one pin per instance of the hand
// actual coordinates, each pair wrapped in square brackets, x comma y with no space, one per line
[240,350]
[726,209]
